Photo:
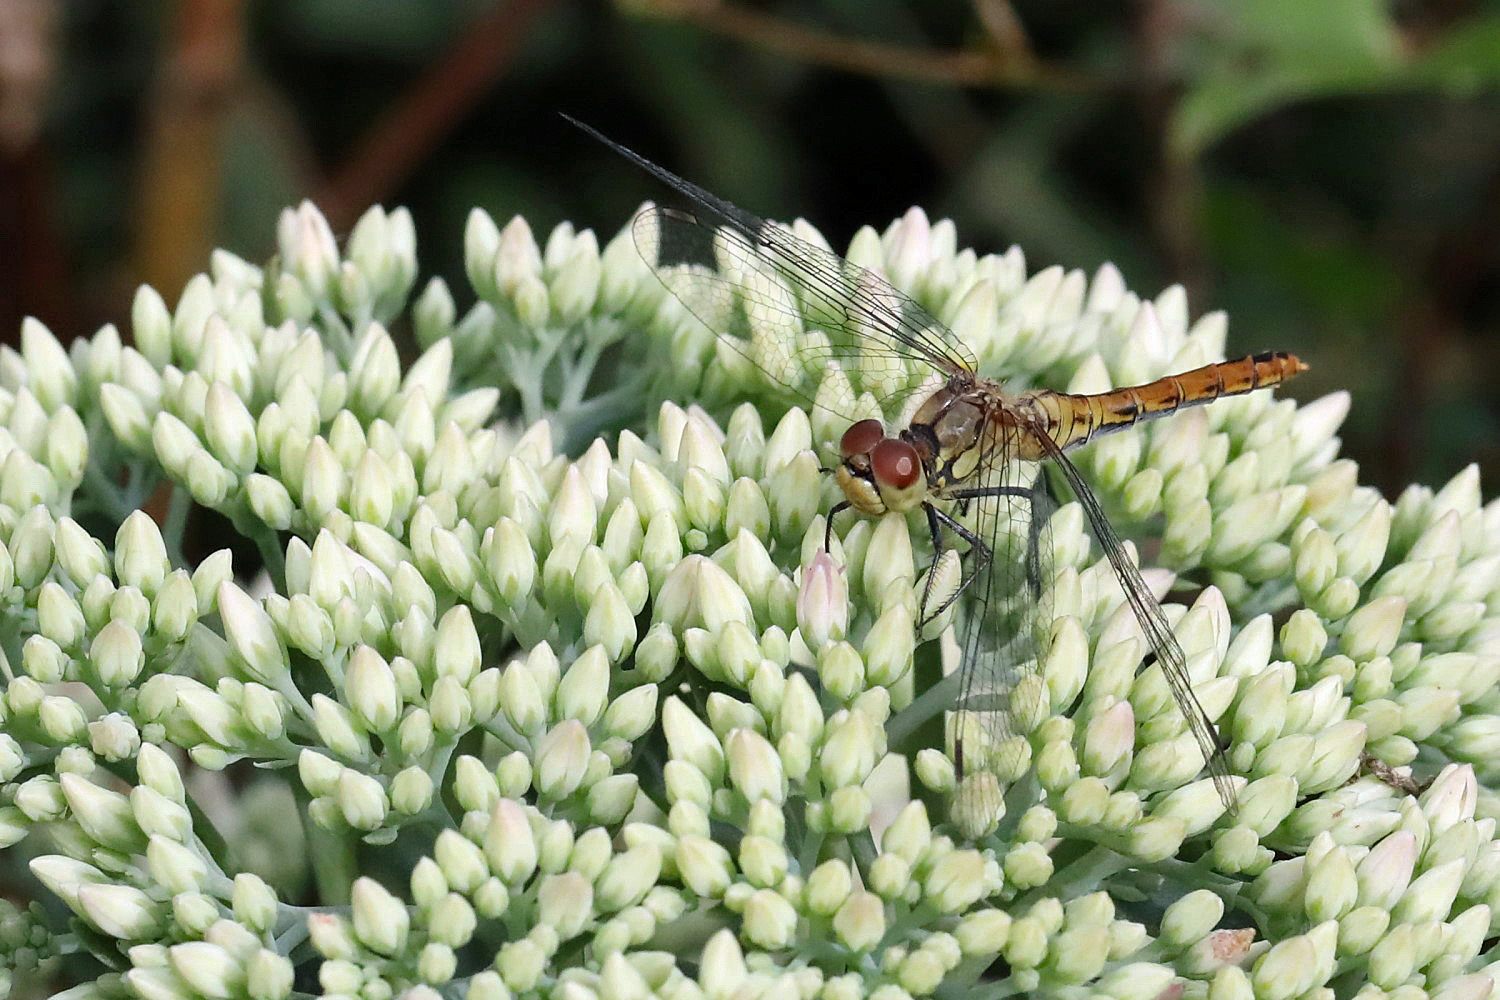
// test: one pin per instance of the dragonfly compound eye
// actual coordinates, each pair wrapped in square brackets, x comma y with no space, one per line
[895,464]
[861,438]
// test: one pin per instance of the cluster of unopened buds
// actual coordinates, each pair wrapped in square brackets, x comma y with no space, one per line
[524,711]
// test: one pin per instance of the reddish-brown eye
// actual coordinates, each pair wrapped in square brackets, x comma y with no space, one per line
[895,464]
[861,437]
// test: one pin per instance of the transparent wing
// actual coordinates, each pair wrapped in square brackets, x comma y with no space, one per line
[1005,638]
[1154,625]
[794,308]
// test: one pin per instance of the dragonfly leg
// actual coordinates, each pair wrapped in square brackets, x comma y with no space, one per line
[977,545]
[833,512]
[936,521]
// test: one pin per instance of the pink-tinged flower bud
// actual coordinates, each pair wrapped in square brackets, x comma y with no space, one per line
[822,602]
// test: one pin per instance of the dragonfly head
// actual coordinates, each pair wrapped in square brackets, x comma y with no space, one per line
[880,473]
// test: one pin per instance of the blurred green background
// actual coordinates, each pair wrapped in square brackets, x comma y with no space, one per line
[1328,172]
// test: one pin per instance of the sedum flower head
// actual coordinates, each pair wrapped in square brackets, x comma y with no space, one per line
[543,685]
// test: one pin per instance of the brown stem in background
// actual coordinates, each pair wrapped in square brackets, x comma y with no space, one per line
[181,170]
[409,131]
[959,67]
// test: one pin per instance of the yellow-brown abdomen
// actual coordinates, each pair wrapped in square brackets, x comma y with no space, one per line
[1075,418]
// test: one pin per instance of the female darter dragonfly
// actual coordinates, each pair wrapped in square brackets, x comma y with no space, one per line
[968,441]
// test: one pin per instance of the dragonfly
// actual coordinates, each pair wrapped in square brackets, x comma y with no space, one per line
[968,443]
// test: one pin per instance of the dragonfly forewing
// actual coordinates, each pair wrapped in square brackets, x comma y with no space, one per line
[795,309]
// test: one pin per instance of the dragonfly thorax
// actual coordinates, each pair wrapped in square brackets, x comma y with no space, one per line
[954,421]
[880,473]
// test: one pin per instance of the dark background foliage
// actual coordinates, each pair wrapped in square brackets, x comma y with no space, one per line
[1327,172]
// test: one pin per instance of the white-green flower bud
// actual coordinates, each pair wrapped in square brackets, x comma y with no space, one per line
[62,719]
[1316,559]
[436,964]
[157,815]
[1373,630]
[956,881]
[140,554]
[371,689]
[1450,799]
[254,903]
[64,876]
[628,877]
[555,846]
[269,500]
[121,911]
[983,932]
[31,549]
[1027,865]
[229,430]
[450,707]
[43,660]
[631,714]
[703,500]
[1109,739]
[574,515]
[175,610]
[704,866]
[584,690]
[113,737]
[1332,888]
[609,624]
[521,700]
[379,919]
[451,921]
[769,920]
[473,786]
[268,975]
[1079,954]
[175,866]
[335,727]
[1156,837]
[463,862]
[890,877]
[690,740]
[57,615]
[850,749]
[251,635]
[611,799]
[79,554]
[361,800]
[828,887]
[52,378]
[685,783]
[754,767]
[699,594]
[509,846]
[1431,894]
[117,654]
[796,494]
[565,902]
[561,756]
[513,775]
[411,790]
[1289,968]
[319,774]
[822,602]
[860,922]
[104,815]
[841,670]
[1334,757]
